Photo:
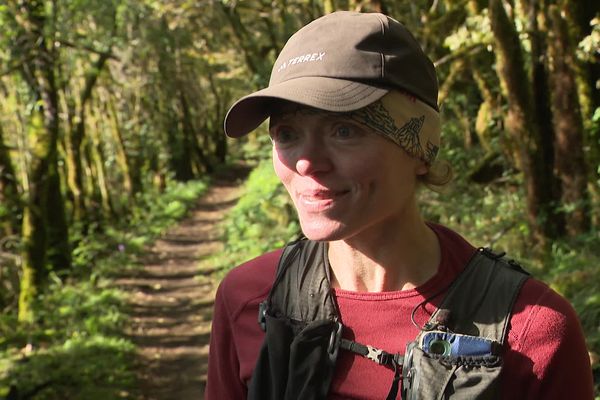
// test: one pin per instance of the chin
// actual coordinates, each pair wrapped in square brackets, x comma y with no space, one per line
[323,232]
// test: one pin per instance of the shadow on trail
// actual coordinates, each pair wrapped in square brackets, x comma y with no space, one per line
[202,311]
[166,341]
[171,298]
[217,206]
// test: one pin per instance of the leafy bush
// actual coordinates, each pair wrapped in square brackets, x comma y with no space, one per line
[262,220]
[158,211]
[75,349]
[91,368]
[573,272]
[85,309]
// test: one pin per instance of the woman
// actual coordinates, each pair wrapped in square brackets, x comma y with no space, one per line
[376,302]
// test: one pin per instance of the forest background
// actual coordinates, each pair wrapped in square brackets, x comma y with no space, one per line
[111,124]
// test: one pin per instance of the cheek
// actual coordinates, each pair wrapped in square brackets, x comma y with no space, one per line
[366,175]
[391,176]
[365,169]
[281,168]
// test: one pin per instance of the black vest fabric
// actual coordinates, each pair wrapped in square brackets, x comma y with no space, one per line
[303,333]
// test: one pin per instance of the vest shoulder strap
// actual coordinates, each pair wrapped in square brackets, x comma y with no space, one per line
[301,318]
[480,301]
[301,290]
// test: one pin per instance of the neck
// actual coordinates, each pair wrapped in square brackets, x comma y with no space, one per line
[397,256]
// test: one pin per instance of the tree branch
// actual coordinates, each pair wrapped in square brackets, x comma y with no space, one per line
[470,50]
[106,54]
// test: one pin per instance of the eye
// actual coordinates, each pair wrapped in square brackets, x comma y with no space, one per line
[344,130]
[282,134]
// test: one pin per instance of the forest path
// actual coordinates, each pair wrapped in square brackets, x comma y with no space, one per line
[171,298]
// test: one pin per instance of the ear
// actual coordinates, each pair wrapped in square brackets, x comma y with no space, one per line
[421,168]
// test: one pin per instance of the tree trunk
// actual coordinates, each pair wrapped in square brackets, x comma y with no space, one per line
[539,79]
[521,123]
[98,161]
[77,136]
[570,162]
[75,167]
[59,248]
[10,200]
[255,60]
[40,74]
[221,100]
[180,160]
[121,154]
[578,16]
[190,142]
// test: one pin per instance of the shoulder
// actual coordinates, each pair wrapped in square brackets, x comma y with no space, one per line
[539,310]
[546,351]
[248,282]
[254,272]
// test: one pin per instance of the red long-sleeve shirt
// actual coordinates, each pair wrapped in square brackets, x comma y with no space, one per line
[545,355]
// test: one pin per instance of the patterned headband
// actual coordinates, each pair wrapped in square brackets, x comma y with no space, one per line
[405,120]
[397,116]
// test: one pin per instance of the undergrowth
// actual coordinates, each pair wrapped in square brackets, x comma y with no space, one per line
[75,348]
[262,220]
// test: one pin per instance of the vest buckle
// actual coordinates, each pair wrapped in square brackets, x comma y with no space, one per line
[334,340]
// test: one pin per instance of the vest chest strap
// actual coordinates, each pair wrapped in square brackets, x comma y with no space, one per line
[379,356]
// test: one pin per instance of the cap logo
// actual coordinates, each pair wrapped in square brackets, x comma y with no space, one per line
[311,57]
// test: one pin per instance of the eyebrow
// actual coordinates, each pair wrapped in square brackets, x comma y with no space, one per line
[291,111]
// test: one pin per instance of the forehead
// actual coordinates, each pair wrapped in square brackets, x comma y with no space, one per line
[291,111]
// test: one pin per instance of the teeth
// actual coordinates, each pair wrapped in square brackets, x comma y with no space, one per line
[320,195]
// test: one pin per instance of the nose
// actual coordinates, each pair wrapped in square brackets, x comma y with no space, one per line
[313,158]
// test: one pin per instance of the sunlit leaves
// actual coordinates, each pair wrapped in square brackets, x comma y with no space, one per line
[475,31]
[589,47]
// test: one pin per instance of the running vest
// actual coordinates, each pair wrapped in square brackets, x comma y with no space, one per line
[457,354]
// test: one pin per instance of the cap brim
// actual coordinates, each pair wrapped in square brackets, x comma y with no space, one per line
[330,94]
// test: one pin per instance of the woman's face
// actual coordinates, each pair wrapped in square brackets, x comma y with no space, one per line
[344,179]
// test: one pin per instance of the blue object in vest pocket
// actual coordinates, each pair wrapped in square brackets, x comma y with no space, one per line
[441,343]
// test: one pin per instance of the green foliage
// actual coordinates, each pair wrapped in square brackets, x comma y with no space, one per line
[572,270]
[258,145]
[475,31]
[159,102]
[588,47]
[78,353]
[96,368]
[154,212]
[158,211]
[262,220]
[75,349]
[81,310]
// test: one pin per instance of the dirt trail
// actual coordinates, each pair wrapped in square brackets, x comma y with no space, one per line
[172,297]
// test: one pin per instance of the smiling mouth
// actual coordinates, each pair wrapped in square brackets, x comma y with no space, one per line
[321,196]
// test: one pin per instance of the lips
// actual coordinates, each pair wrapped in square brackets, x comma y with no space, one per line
[320,199]
[321,194]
